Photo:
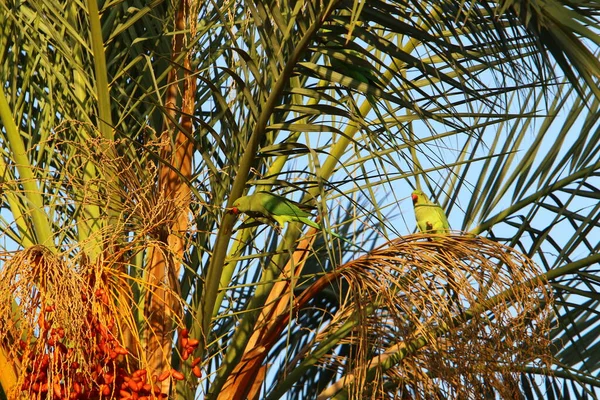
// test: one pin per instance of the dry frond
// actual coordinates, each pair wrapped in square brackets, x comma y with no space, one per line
[126,184]
[455,317]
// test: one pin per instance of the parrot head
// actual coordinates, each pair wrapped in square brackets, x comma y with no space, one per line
[415,196]
[240,205]
[234,208]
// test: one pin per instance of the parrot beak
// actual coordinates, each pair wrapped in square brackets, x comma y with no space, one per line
[233,210]
[414,198]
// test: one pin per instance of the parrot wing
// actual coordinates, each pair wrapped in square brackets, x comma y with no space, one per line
[443,225]
[275,205]
[310,222]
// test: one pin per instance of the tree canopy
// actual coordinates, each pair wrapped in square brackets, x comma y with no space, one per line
[130,128]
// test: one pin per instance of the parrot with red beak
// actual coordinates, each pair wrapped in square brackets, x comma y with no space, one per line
[430,216]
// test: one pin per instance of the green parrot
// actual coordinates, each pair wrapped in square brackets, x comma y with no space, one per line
[261,205]
[273,207]
[352,64]
[430,216]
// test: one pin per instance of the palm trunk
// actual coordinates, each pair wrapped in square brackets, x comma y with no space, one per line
[161,306]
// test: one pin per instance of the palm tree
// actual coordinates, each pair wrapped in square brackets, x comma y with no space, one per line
[130,128]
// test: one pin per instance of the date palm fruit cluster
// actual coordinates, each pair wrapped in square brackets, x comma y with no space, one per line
[94,367]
